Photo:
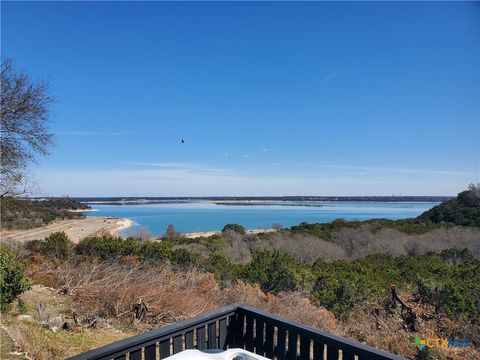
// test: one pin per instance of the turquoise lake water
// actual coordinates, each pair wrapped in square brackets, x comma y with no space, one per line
[206,216]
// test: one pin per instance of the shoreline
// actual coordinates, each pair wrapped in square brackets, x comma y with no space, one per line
[76,229]
[83,210]
[193,235]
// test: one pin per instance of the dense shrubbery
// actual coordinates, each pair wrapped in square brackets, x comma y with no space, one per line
[274,272]
[13,280]
[24,214]
[61,203]
[464,210]
[449,281]
[452,289]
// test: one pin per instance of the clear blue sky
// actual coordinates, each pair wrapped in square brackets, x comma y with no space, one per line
[308,98]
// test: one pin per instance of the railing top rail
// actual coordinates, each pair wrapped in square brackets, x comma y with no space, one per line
[340,342]
[151,336]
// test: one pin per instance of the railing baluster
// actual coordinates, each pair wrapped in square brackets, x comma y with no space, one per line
[212,336]
[269,330]
[222,336]
[164,349]
[249,334]
[281,339]
[292,346]
[151,352]
[305,348]
[259,339]
[318,350]
[177,344]
[347,356]
[230,341]
[136,355]
[201,340]
[189,340]
[239,335]
[332,353]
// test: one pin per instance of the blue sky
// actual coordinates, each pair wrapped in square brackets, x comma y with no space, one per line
[309,98]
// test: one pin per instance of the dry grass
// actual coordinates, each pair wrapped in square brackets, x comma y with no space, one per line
[43,344]
[387,331]
[39,342]
[106,289]
[8,350]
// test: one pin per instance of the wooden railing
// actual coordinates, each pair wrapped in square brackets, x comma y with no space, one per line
[239,326]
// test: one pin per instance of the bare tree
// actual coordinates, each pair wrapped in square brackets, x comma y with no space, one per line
[24,111]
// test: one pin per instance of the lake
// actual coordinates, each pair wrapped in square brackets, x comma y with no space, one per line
[207,216]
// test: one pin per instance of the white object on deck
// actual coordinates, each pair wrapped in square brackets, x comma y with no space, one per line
[230,354]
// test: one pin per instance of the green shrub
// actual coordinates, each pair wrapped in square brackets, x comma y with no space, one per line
[13,279]
[154,251]
[57,245]
[222,268]
[342,284]
[239,229]
[185,257]
[273,271]
[106,247]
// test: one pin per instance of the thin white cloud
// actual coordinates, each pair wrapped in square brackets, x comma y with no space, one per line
[185,167]
[401,170]
[331,75]
[178,182]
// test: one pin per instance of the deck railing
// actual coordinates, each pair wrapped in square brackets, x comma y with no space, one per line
[239,326]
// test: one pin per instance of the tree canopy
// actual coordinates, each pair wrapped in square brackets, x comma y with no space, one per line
[24,112]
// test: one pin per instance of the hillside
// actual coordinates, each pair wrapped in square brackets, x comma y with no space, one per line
[26,214]
[464,210]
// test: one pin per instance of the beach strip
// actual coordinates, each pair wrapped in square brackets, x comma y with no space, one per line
[76,229]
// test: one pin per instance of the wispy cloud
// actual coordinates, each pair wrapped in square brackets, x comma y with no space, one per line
[178,166]
[92,133]
[392,169]
[331,75]
[178,182]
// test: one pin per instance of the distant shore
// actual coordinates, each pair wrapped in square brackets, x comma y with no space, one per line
[194,235]
[83,210]
[257,200]
[76,229]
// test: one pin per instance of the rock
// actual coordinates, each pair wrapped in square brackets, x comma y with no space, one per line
[56,322]
[24,318]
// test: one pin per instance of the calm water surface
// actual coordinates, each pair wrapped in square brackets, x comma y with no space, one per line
[206,216]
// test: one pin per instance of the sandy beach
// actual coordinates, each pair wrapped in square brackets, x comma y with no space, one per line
[76,229]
